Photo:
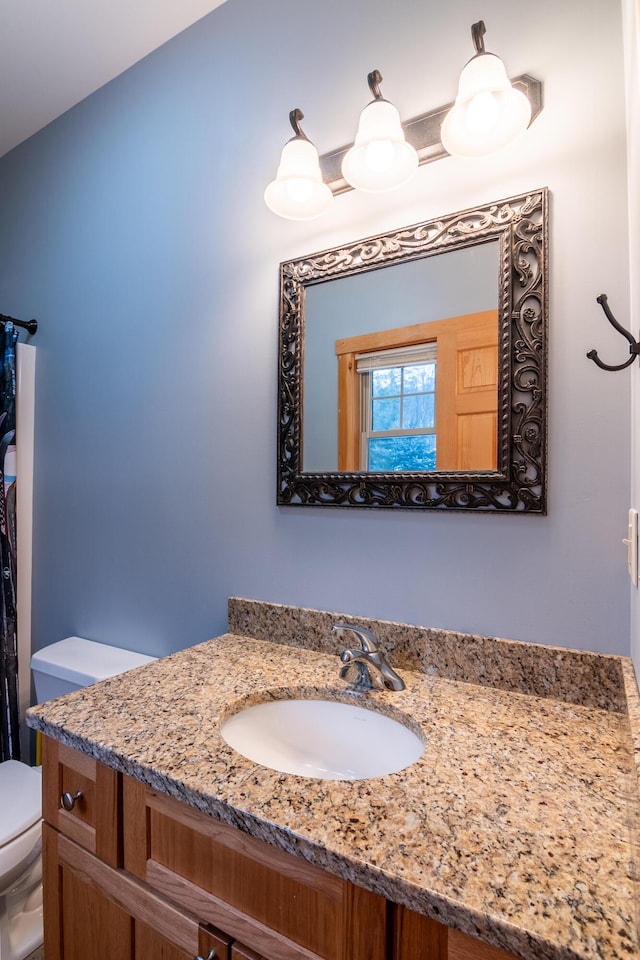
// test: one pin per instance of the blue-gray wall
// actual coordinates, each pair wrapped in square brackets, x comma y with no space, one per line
[135,230]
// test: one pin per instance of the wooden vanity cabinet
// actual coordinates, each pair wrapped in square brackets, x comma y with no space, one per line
[130,874]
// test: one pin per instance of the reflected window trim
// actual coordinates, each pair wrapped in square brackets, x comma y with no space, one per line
[366,366]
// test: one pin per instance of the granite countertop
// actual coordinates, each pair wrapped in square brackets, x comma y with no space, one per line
[518,824]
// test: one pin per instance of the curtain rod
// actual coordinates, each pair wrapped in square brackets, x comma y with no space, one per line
[30,325]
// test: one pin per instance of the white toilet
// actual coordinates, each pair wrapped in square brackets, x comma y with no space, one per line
[57,669]
[20,862]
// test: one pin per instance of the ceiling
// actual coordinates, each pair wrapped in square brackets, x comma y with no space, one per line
[54,53]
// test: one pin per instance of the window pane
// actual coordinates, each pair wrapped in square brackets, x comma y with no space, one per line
[402,453]
[420,378]
[386,382]
[419,412]
[386,414]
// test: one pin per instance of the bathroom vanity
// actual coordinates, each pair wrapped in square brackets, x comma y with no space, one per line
[205,885]
[512,836]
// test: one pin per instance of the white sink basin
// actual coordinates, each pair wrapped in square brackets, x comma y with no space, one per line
[322,738]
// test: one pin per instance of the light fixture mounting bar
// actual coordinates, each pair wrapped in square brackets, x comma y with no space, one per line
[423,133]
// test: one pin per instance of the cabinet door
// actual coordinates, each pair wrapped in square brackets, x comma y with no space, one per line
[417,938]
[238,952]
[150,944]
[462,947]
[95,912]
[80,921]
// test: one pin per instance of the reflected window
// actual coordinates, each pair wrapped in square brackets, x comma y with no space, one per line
[398,409]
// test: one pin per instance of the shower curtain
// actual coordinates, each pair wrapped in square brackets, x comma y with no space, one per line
[9,711]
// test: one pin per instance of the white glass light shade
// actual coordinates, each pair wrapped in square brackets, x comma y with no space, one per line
[380,159]
[488,113]
[298,191]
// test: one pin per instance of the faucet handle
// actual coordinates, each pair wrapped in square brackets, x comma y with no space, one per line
[374,671]
[367,640]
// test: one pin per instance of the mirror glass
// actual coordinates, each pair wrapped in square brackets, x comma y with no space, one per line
[409,301]
[412,366]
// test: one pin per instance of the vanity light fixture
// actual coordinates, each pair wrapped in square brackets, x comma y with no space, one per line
[489,112]
[380,159]
[298,191]
[386,152]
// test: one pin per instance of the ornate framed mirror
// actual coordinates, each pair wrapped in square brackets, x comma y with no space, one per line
[412,366]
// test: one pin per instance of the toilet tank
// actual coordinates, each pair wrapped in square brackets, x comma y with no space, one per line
[75,662]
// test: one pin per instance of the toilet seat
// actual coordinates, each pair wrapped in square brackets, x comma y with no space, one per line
[17,856]
[20,799]
[20,860]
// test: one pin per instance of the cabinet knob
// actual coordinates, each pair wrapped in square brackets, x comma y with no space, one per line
[210,956]
[68,801]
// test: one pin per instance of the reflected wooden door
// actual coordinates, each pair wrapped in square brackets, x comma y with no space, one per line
[467,395]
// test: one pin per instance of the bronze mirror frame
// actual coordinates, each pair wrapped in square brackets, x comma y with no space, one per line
[520,225]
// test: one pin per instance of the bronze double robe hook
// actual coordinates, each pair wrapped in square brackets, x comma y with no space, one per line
[634,346]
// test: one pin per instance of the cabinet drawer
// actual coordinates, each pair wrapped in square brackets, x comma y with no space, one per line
[272,902]
[96,791]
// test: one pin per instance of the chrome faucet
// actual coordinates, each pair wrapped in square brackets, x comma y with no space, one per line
[373,669]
